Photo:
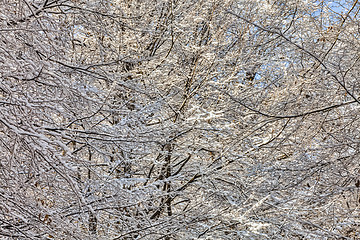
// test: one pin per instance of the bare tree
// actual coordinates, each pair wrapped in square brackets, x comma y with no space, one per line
[179,119]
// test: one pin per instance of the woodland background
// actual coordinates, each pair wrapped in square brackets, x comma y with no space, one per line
[169,119]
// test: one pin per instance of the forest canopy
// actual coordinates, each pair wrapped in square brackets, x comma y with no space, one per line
[168,119]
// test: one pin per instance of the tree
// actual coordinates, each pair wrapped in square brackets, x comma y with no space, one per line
[179,119]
